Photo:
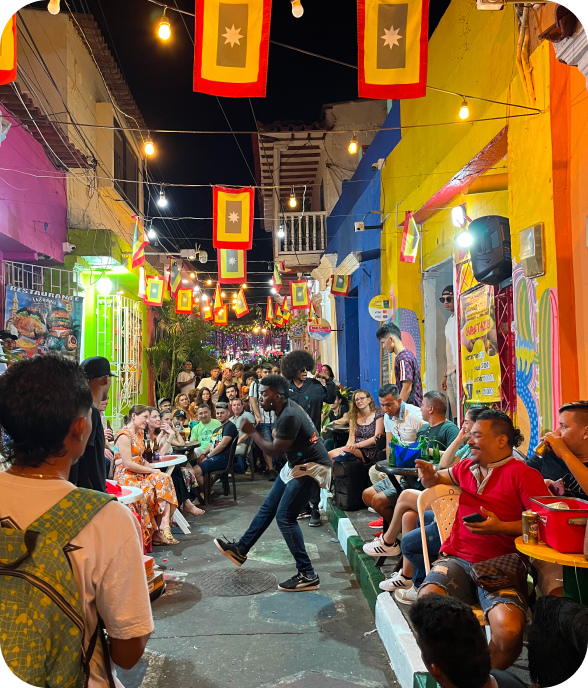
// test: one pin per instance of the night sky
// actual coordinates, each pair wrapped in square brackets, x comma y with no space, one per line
[160,77]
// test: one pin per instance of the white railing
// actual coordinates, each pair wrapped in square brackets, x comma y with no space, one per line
[303,232]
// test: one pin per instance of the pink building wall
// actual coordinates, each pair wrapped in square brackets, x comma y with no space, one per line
[33,209]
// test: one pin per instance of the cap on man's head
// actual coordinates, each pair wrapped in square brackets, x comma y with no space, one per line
[160,402]
[97,366]
[179,414]
[5,334]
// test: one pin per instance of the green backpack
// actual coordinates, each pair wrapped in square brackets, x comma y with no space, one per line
[41,616]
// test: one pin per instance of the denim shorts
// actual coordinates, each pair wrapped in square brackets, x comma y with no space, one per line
[453,575]
[265,430]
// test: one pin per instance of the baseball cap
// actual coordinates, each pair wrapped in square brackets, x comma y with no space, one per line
[5,334]
[160,402]
[97,366]
[179,414]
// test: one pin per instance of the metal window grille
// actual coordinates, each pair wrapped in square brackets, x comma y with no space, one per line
[119,334]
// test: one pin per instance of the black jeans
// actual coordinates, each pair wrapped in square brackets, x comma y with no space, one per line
[284,502]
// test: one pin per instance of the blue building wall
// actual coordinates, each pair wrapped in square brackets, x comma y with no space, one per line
[358,348]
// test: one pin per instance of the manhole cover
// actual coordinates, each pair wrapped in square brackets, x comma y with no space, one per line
[236,583]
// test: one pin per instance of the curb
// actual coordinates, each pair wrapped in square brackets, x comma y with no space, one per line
[392,627]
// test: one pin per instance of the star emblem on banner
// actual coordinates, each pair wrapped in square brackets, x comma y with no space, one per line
[232,261]
[233,217]
[233,35]
[391,37]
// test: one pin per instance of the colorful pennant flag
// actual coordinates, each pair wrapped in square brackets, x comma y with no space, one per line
[175,277]
[232,266]
[269,313]
[221,317]
[154,291]
[232,218]
[410,240]
[232,45]
[299,295]
[8,52]
[205,309]
[142,285]
[286,313]
[241,307]
[218,299]
[393,48]
[312,312]
[184,301]
[278,317]
[340,285]
[140,240]
[277,277]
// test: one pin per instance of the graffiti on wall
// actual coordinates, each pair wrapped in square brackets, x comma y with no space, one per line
[537,357]
[408,323]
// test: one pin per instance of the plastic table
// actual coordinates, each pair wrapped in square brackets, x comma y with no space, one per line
[169,462]
[575,568]
[128,494]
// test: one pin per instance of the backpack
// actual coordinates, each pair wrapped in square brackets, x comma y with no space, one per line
[41,616]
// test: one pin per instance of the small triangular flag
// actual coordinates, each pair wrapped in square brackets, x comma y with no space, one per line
[218,300]
[241,307]
[269,314]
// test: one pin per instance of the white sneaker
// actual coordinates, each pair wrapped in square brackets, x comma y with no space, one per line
[396,582]
[377,548]
[372,510]
[406,596]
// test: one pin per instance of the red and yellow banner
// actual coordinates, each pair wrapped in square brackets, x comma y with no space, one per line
[340,285]
[278,317]
[154,291]
[221,317]
[393,48]
[8,52]
[205,309]
[232,266]
[410,240]
[232,218]
[175,277]
[140,240]
[312,312]
[218,300]
[184,301]
[232,45]
[277,277]
[269,313]
[299,295]
[241,308]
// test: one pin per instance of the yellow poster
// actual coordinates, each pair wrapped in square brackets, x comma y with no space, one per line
[480,363]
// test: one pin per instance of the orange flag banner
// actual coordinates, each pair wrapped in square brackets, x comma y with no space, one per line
[184,301]
[269,313]
[8,52]
[218,299]
[222,317]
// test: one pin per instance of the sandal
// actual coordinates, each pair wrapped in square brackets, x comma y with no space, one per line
[165,537]
[190,509]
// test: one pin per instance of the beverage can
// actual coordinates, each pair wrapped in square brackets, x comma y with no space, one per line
[530,528]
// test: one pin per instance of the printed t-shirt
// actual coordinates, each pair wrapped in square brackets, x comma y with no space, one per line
[107,562]
[444,433]
[202,433]
[506,492]
[406,425]
[229,429]
[407,369]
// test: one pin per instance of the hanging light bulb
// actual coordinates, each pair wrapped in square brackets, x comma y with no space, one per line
[280,236]
[164,28]
[353,146]
[53,6]
[292,202]
[243,286]
[149,148]
[464,110]
[264,330]
[256,330]
[297,9]
[223,294]
[196,289]
[192,275]
[273,290]
[203,298]
[271,282]
[162,200]
[152,234]
[209,282]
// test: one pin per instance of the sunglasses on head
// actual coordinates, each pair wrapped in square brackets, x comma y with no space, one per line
[446,299]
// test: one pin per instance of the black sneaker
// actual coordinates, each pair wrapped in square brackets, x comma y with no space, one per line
[300,582]
[231,551]
[305,513]
[272,475]
[315,518]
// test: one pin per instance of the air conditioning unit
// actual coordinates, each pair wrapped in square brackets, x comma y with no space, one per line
[491,4]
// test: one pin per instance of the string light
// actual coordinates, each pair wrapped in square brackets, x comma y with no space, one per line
[223,294]
[353,146]
[209,282]
[149,148]
[53,6]
[297,9]
[162,200]
[164,29]
[464,110]
[243,286]
[271,282]
[273,290]
[264,331]
[184,281]
[152,234]
[196,289]
[192,275]
[292,203]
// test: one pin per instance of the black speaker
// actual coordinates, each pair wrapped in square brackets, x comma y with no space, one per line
[490,250]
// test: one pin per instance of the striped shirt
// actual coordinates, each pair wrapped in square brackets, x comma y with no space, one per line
[407,369]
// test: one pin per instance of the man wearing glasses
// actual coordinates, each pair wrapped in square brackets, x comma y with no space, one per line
[449,382]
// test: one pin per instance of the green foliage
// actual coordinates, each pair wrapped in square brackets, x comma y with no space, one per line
[179,338]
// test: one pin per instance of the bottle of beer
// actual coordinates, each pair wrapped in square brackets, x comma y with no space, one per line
[423,445]
[392,457]
[148,453]
[436,452]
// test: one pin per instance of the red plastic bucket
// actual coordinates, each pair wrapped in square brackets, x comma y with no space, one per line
[563,530]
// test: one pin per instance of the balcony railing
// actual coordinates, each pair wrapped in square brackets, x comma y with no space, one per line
[303,233]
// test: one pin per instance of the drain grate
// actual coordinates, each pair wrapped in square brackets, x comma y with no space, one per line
[235,583]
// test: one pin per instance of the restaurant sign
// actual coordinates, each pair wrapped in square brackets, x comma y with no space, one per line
[319,329]
[480,371]
[45,323]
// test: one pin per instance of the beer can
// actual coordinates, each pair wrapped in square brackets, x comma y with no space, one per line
[530,528]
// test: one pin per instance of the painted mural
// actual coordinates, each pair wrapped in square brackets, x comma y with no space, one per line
[408,323]
[537,357]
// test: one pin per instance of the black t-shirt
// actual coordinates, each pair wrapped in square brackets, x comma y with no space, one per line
[229,429]
[553,468]
[90,470]
[507,680]
[343,409]
[295,424]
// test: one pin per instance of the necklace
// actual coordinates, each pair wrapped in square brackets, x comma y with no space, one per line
[37,476]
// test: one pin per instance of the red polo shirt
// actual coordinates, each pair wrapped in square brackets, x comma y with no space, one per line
[507,493]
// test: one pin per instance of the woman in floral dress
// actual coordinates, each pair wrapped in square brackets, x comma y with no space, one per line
[159,501]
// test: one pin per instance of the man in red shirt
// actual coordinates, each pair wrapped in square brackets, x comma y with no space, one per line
[496,485]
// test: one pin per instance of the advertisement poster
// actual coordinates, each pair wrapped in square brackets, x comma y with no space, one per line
[319,329]
[44,323]
[380,308]
[480,371]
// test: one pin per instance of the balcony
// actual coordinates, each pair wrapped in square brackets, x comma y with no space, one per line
[304,240]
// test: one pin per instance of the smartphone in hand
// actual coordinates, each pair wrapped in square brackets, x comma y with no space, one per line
[474,518]
[557,488]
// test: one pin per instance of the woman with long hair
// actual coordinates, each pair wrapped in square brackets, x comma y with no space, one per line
[205,397]
[161,434]
[159,500]
[366,424]
[182,402]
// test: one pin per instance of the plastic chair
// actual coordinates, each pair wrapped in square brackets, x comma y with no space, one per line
[229,471]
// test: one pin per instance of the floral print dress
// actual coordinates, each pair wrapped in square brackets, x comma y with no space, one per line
[158,488]
[365,432]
